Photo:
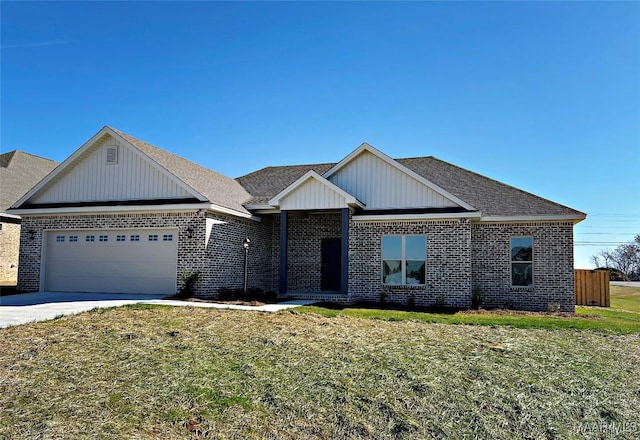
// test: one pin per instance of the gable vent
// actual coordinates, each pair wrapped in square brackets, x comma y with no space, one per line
[112,154]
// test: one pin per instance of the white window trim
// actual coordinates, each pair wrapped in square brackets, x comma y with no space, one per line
[403,260]
[511,263]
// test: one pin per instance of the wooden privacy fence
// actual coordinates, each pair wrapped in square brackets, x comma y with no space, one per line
[592,287]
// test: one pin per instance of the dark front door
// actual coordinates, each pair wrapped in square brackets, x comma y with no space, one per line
[331,264]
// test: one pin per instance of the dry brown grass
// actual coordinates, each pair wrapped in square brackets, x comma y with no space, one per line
[157,372]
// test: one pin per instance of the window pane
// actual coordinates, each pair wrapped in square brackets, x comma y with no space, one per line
[392,271]
[521,249]
[415,272]
[416,247]
[391,247]
[522,274]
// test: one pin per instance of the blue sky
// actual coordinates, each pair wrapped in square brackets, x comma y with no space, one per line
[544,96]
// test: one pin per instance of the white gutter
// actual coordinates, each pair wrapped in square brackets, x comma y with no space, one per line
[70,210]
[533,218]
[4,214]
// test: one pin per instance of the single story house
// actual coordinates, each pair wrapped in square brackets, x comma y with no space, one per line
[121,215]
[19,172]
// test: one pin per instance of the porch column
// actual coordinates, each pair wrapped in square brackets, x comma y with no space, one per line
[344,281]
[283,253]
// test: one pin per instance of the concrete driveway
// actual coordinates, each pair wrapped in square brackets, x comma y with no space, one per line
[42,306]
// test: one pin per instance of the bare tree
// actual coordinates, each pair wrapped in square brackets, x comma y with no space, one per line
[624,258]
[606,258]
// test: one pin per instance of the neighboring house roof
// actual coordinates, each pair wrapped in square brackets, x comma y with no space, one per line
[491,197]
[217,188]
[19,172]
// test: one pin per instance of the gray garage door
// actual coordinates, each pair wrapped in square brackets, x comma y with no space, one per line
[118,261]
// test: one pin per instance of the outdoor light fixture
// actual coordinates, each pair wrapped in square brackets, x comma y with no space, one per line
[32,234]
[245,245]
[190,232]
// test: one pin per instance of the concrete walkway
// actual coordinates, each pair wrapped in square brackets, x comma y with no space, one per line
[42,306]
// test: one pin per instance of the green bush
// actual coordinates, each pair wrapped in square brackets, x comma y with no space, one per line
[188,283]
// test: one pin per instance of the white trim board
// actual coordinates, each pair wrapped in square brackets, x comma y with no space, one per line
[409,217]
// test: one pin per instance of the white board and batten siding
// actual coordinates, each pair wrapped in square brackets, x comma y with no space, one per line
[313,194]
[133,176]
[111,261]
[382,186]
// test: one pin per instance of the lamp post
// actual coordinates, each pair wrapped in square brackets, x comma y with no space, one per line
[245,244]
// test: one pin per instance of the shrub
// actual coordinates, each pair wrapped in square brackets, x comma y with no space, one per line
[478,298]
[253,294]
[188,283]
[411,302]
[553,307]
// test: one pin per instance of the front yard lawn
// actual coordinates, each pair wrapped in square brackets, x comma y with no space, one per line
[159,372]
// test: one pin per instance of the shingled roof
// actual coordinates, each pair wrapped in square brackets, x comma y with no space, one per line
[19,172]
[218,189]
[491,197]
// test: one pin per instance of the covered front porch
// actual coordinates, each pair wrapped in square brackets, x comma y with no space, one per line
[313,252]
[311,238]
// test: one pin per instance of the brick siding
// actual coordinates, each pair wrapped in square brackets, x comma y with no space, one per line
[448,267]
[225,255]
[553,277]
[461,256]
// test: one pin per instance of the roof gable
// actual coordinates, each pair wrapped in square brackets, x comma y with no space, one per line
[143,172]
[492,198]
[87,176]
[312,191]
[219,189]
[382,183]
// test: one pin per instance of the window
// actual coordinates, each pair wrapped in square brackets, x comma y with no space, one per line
[90,238]
[404,259]
[73,238]
[522,261]
[104,238]
[60,238]
[153,237]
[121,238]
[167,237]
[135,238]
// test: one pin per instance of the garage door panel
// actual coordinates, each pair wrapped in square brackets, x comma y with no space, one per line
[111,266]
